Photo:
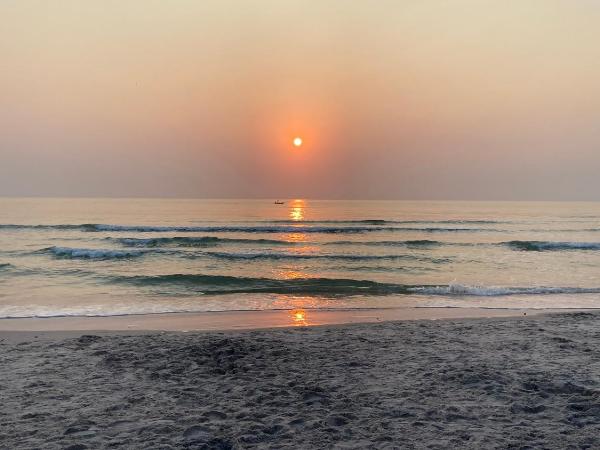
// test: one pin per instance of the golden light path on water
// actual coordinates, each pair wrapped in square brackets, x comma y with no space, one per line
[297,210]
[297,214]
[298,315]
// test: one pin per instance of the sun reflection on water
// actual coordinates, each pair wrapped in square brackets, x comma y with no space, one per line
[298,317]
[291,274]
[297,210]
[296,237]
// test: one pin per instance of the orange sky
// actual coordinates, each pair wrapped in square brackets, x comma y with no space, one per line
[394,99]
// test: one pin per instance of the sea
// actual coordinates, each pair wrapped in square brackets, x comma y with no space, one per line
[108,257]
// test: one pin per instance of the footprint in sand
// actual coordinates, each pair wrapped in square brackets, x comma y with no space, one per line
[76,447]
[296,423]
[215,415]
[313,397]
[197,433]
[336,421]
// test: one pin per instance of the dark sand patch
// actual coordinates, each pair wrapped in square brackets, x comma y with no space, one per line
[501,383]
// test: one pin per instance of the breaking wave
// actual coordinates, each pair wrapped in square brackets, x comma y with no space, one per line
[491,291]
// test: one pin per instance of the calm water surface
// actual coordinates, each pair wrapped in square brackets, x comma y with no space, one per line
[130,256]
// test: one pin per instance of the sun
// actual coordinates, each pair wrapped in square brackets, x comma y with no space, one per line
[297,141]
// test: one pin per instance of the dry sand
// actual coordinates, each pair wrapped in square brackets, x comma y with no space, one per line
[529,382]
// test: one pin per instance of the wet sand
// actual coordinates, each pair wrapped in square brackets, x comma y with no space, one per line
[457,383]
[243,320]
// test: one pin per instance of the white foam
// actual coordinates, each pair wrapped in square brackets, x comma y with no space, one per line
[493,291]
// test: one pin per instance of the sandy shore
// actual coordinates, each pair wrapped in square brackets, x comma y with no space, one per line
[470,383]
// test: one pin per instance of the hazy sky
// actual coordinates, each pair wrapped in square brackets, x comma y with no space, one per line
[414,99]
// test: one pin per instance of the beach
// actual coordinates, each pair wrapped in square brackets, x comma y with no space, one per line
[299,225]
[504,382]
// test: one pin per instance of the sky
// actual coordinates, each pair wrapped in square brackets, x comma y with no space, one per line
[403,99]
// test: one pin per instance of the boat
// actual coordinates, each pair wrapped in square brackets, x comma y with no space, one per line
[277,202]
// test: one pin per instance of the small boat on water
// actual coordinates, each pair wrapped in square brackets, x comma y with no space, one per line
[277,202]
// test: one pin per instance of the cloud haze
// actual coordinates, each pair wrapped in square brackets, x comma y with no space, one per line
[414,99]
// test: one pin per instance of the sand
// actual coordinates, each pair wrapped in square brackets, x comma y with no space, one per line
[528,382]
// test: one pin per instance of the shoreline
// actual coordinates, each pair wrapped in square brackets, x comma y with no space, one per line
[254,320]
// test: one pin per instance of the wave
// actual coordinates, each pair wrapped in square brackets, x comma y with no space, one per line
[242,229]
[412,269]
[94,253]
[274,229]
[208,241]
[201,241]
[540,246]
[389,222]
[339,257]
[363,221]
[5,266]
[89,253]
[409,243]
[82,227]
[218,284]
